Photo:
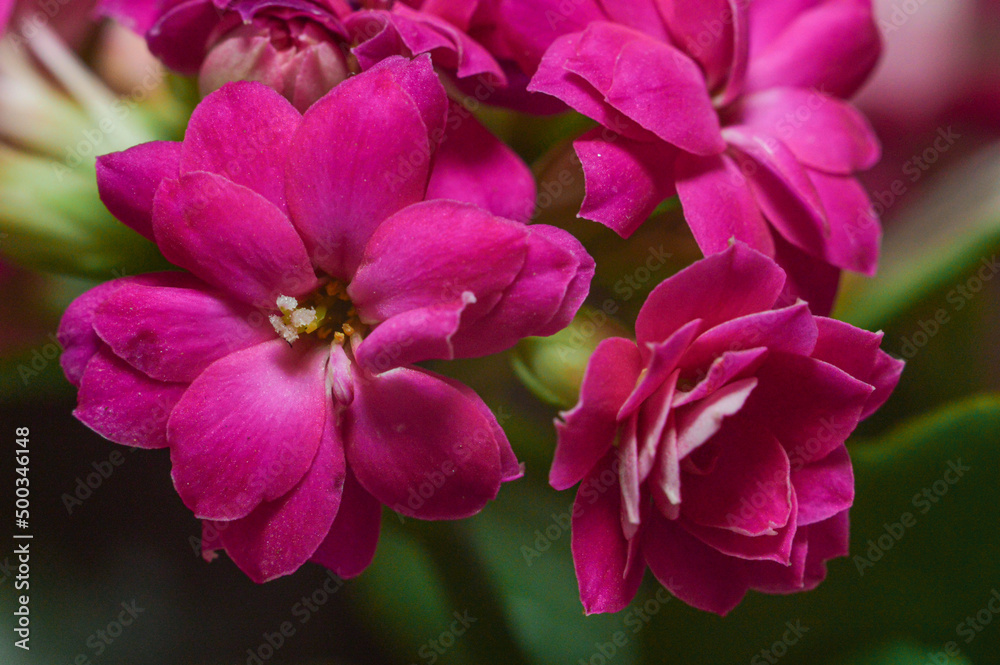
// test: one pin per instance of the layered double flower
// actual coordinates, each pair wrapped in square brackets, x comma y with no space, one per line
[711,448]
[735,107]
[279,368]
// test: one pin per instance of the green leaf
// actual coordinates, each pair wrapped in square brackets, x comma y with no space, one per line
[933,562]
[903,653]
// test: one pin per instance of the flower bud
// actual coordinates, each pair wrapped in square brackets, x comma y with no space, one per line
[552,367]
[298,57]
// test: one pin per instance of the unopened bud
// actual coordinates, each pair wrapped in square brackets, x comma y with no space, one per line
[299,58]
[553,367]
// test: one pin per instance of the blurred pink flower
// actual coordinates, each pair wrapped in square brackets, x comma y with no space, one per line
[711,449]
[279,371]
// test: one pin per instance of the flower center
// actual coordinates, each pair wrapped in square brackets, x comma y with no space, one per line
[328,313]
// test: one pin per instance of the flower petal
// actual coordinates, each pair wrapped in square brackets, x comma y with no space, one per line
[247,429]
[124,405]
[600,551]
[474,166]
[625,179]
[855,232]
[242,132]
[651,82]
[76,329]
[857,352]
[811,406]
[172,333]
[588,430]
[749,492]
[231,237]
[830,46]
[730,284]
[281,535]
[824,488]
[361,154]
[349,547]
[719,205]
[821,131]
[421,446]
[691,570]
[431,253]
[127,181]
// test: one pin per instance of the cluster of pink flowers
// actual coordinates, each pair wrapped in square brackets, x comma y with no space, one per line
[339,218]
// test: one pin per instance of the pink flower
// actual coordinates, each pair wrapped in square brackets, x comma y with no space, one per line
[737,111]
[712,448]
[279,369]
[302,48]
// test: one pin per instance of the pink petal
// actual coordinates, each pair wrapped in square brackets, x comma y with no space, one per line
[416,335]
[730,366]
[588,430]
[625,179]
[231,237]
[749,491]
[774,577]
[172,333]
[810,406]
[248,428]
[124,405]
[724,286]
[824,488]
[600,551]
[782,187]
[421,446]
[431,253]
[578,287]
[474,166]
[529,31]
[554,79]
[361,154]
[242,132]
[822,132]
[704,419]
[809,278]
[857,352]
[180,35]
[707,29]
[790,329]
[279,536]
[349,547]
[827,540]
[660,362]
[691,570]
[76,329]
[650,82]
[776,546]
[832,46]
[855,232]
[127,181]
[719,205]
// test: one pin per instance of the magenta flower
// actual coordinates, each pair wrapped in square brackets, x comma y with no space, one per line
[737,111]
[279,369]
[302,48]
[712,448]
